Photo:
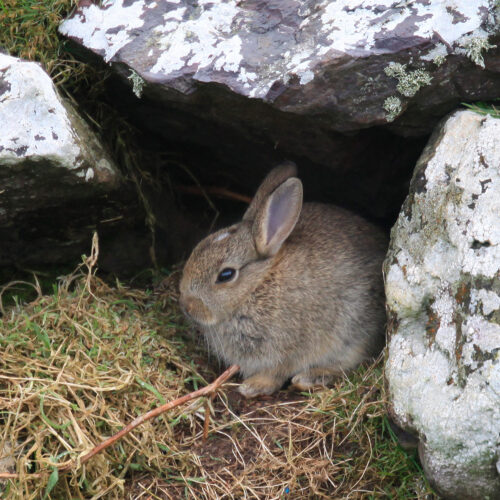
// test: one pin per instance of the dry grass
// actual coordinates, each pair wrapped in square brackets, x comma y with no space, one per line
[330,444]
[79,364]
[28,29]
[75,367]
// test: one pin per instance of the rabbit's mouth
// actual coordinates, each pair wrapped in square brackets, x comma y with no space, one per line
[196,311]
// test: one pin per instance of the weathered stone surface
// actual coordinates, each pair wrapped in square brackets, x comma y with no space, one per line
[58,184]
[48,154]
[55,176]
[349,65]
[443,296]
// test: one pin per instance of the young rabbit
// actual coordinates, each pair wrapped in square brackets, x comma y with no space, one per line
[291,291]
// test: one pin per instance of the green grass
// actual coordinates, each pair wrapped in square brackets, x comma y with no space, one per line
[24,285]
[80,363]
[28,29]
[483,108]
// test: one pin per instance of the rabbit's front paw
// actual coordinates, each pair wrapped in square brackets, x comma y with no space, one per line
[260,384]
[314,377]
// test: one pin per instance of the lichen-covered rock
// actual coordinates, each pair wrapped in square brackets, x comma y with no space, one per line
[355,65]
[56,178]
[48,154]
[443,296]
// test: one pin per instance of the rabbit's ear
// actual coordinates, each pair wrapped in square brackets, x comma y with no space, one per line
[274,178]
[277,217]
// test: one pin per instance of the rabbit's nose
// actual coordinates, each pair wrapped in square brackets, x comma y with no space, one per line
[190,304]
[196,309]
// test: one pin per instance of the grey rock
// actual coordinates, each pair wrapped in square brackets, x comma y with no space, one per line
[350,65]
[48,154]
[56,178]
[59,184]
[442,277]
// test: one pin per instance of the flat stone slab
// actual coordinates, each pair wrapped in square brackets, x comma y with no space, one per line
[355,65]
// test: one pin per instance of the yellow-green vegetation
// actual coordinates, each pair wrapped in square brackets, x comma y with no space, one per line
[439,60]
[137,83]
[409,83]
[79,364]
[75,367]
[484,108]
[28,29]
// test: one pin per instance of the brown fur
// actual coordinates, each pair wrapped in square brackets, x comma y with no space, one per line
[313,309]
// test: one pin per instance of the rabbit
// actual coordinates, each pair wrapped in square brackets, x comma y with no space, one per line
[292,291]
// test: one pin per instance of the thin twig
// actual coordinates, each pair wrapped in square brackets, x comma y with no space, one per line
[217,191]
[204,391]
[209,389]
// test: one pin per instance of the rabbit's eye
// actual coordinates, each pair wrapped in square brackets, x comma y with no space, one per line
[227,274]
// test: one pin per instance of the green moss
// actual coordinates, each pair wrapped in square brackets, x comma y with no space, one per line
[28,29]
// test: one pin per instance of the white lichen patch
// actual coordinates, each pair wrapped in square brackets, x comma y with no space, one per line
[106,28]
[224,41]
[474,47]
[486,300]
[442,281]
[137,83]
[354,27]
[444,308]
[39,125]
[409,83]
[393,107]
[483,334]
[437,54]
[204,41]
[470,154]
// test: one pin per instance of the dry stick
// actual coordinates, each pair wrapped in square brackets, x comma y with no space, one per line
[157,411]
[217,191]
[207,390]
